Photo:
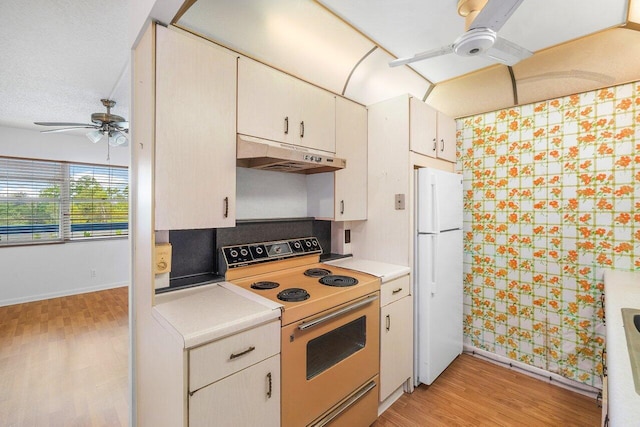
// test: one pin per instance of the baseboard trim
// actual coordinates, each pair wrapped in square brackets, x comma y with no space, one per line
[532,371]
[64,293]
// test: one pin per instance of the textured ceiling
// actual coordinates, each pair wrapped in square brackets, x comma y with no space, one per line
[59,57]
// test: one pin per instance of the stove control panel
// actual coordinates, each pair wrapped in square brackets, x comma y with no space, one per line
[254,253]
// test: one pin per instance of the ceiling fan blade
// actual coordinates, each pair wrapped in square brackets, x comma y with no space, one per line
[61,124]
[507,52]
[69,128]
[422,55]
[495,13]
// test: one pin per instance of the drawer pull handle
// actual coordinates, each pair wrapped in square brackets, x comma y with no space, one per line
[242,353]
[226,207]
[270,386]
[395,291]
[435,145]
[302,129]
[442,149]
[286,125]
[388,322]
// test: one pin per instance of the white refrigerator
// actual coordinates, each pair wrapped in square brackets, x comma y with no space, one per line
[438,275]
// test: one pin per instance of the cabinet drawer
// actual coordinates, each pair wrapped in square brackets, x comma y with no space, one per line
[218,359]
[394,290]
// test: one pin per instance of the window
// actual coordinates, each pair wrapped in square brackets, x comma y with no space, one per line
[45,201]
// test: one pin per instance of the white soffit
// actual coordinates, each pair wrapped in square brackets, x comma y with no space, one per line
[297,36]
[406,27]
[59,57]
[373,81]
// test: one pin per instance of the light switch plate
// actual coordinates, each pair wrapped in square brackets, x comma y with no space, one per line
[399,202]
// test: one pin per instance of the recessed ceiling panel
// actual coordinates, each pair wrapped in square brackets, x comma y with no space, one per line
[589,63]
[297,36]
[485,90]
[407,27]
[373,81]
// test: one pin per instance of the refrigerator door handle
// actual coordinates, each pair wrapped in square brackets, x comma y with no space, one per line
[436,204]
[434,265]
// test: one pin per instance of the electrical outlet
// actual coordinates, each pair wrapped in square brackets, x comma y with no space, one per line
[399,202]
[347,236]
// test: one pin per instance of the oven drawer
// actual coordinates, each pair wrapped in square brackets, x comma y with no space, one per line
[210,362]
[359,409]
[394,290]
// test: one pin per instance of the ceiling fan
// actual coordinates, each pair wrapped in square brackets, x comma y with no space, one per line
[484,18]
[103,124]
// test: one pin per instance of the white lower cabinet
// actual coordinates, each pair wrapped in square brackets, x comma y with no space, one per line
[235,381]
[396,335]
[250,397]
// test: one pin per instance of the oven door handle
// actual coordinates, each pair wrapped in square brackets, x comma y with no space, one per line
[315,322]
[345,405]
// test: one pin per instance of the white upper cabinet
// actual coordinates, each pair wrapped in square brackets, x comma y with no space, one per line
[278,107]
[195,151]
[432,133]
[351,144]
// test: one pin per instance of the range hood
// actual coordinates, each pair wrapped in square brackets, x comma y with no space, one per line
[263,154]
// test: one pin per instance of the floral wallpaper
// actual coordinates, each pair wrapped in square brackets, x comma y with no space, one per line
[552,197]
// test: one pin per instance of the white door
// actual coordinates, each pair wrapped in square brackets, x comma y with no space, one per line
[439,200]
[439,303]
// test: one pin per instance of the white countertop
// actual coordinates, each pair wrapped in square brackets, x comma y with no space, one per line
[383,270]
[622,289]
[210,312]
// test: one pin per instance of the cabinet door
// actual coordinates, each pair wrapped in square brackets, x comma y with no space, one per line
[266,103]
[316,127]
[250,397]
[446,137]
[195,163]
[422,128]
[396,345]
[351,144]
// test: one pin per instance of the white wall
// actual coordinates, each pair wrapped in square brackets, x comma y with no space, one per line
[45,271]
[268,194]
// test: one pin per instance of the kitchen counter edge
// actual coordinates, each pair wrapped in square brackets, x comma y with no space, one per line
[199,315]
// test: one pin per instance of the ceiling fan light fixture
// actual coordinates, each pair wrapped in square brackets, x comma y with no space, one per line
[95,136]
[117,138]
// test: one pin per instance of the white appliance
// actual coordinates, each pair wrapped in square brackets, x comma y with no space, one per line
[438,275]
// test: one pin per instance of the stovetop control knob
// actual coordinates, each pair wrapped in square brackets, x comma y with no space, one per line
[234,253]
[243,252]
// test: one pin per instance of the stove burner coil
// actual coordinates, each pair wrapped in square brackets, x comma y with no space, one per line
[317,272]
[293,295]
[339,281]
[265,285]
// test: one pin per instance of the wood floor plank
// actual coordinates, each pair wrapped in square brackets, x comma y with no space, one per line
[474,392]
[64,361]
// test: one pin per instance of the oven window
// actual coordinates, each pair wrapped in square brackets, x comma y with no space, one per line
[327,350]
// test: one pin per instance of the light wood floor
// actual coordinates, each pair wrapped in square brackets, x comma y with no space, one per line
[474,392]
[64,361]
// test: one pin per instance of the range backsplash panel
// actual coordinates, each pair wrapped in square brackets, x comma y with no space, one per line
[552,197]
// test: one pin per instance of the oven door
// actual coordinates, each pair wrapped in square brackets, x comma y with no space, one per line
[327,357]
